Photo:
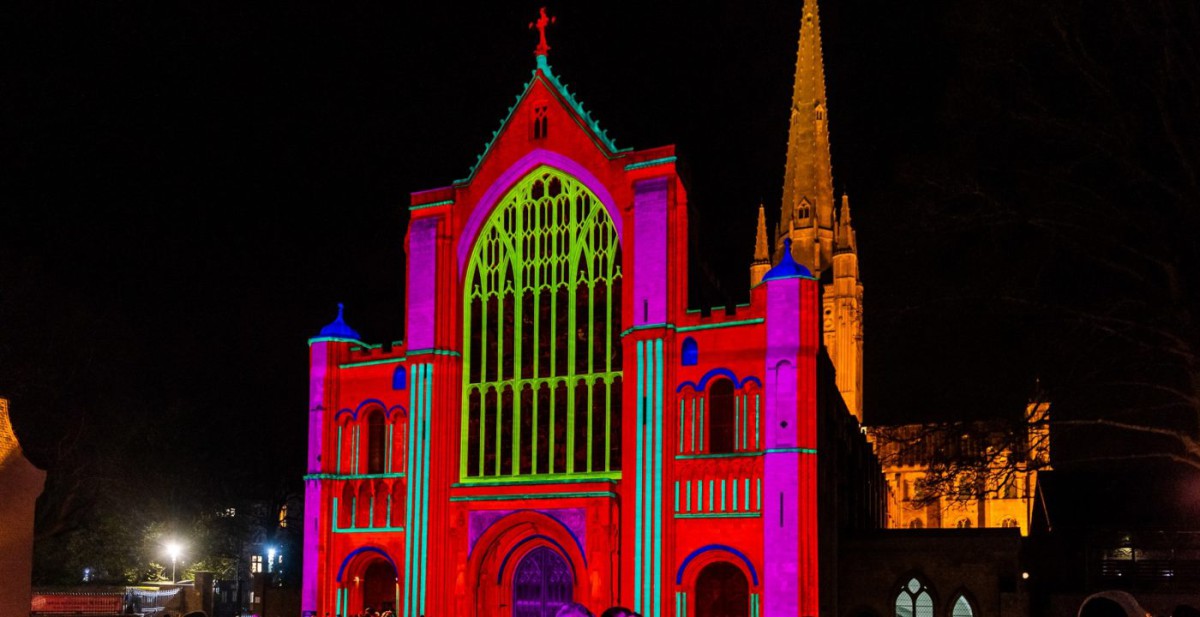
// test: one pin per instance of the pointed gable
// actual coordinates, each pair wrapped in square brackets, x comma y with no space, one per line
[545,105]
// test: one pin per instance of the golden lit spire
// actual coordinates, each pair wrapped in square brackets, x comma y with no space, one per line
[762,252]
[808,175]
[846,240]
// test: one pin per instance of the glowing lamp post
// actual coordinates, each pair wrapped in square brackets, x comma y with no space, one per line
[173,549]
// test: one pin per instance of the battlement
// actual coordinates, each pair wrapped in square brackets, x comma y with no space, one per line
[382,351]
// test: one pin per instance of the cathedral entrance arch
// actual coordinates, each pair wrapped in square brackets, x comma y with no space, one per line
[525,564]
[542,584]
[368,578]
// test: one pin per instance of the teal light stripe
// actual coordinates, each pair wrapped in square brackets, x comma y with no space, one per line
[680,429]
[410,513]
[725,324]
[737,423]
[427,409]
[722,494]
[746,495]
[712,505]
[372,362]
[688,485]
[658,474]
[721,515]
[434,352]
[637,494]
[432,204]
[757,416]
[369,530]
[704,443]
[354,461]
[733,495]
[758,495]
[356,476]
[650,163]
[677,495]
[466,498]
[338,466]
[338,339]
[649,326]
[692,424]
[790,451]
[391,447]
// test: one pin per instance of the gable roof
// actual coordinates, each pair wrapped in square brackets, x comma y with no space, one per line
[546,74]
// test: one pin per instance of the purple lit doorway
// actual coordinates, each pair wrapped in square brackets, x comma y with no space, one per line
[542,584]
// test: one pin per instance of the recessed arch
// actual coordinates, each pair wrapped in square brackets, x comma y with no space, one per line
[717,547]
[525,512]
[400,378]
[523,167]
[718,372]
[365,551]
[367,403]
[562,553]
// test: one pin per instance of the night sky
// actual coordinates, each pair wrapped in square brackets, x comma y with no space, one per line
[188,190]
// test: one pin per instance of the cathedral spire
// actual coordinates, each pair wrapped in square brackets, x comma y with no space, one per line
[808,175]
[762,250]
[846,240]
[762,254]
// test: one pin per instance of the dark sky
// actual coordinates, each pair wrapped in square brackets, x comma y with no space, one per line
[190,188]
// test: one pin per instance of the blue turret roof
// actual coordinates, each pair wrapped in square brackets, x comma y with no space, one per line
[787,267]
[338,328]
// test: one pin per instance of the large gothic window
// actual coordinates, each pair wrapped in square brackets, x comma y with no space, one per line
[914,600]
[541,347]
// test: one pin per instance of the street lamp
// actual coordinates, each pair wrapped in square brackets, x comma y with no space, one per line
[173,549]
[270,559]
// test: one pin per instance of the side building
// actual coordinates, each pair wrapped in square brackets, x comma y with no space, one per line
[22,483]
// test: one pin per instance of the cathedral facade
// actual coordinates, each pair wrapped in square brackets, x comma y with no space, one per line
[557,425]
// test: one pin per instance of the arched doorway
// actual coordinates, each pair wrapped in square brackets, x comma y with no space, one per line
[542,583]
[379,587]
[722,591]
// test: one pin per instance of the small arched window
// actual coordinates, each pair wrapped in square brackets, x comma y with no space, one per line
[914,600]
[722,433]
[1009,523]
[962,608]
[540,123]
[689,353]
[916,523]
[963,523]
[376,442]
[400,379]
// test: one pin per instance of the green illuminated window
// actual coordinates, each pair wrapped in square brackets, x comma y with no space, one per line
[541,353]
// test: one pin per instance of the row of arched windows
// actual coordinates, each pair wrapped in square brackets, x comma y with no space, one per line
[371,443]
[915,600]
[366,504]
[721,419]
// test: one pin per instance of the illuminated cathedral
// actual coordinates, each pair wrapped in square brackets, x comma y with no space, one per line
[558,425]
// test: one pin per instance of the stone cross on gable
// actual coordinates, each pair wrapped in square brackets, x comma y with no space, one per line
[541,23]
